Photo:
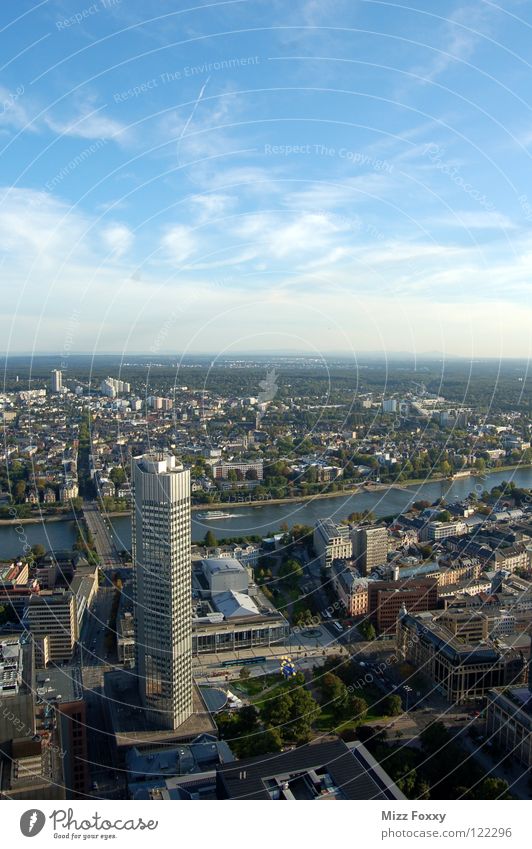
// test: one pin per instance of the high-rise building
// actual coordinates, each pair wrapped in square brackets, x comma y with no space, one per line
[331,542]
[56,380]
[53,614]
[370,547]
[161,542]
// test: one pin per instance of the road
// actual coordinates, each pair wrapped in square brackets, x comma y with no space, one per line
[103,538]
[106,781]
[93,651]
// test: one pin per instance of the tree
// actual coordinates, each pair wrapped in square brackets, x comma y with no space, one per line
[492,788]
[422,789]
[291,570]
[210,540]
[38,550]
[480,465]
[367,630]
[305,711]
[264,743]
[358,709]
[393,705]
[244,673]
[276,712]
[292,712]
[19,491]
[434,737]
[117,475]
[334,692]
[248,718]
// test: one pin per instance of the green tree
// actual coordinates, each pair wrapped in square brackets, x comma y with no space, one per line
[248,718]
[305,711]
[19,491]
[367,630]
[434,737]
[266,742]
[117,475]
[210,540]
[492,788]
[358,709]
[334,693]
[291,571]
[38,550]
[393,705]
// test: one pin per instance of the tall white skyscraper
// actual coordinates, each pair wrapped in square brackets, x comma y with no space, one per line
[57,380]
[161,540]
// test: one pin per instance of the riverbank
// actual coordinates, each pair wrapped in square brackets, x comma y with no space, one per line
[358,489]
[39,520]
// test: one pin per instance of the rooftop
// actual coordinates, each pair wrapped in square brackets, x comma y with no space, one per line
[11,665]
[234,604]
[57,683]
[325,770]
[130,724]
[221,565]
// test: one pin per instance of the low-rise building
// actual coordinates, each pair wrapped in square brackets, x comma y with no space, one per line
[509,722]
[462,671]
[351,589]
[386,599]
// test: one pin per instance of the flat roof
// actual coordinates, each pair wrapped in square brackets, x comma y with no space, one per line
[130,724]
[354,773]
[217,565]
[61,683]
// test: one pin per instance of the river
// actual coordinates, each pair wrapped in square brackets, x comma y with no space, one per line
[243,520]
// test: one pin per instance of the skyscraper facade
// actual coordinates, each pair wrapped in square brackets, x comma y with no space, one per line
[56,381]
[161,540]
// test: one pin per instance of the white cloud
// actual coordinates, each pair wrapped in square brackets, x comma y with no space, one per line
[118,239]
[36,224]
[473,220]
[462,32]
[89,125]
[178,243]
[13,112]
[211,205]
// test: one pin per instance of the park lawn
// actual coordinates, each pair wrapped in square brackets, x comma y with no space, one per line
[254,686]
[269,693]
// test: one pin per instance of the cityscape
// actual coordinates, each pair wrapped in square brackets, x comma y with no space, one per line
[266,405]
[165,632]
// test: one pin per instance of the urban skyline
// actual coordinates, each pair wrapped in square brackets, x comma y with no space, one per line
[266,405]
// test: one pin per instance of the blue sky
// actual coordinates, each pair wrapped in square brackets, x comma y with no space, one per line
[320,175]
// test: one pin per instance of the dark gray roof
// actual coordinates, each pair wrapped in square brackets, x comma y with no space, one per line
[353,771]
